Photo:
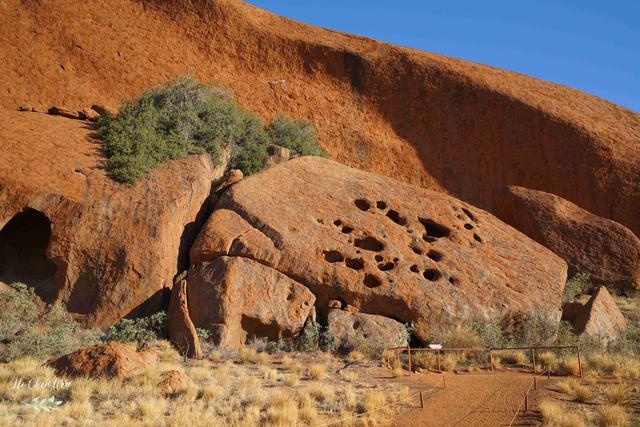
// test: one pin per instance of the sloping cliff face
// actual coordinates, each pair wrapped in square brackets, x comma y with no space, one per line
[444,124]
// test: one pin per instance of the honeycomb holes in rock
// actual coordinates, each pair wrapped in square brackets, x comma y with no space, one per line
[369,244]
[371,281]
[431,274]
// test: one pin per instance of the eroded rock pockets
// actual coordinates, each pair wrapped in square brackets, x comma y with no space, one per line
[408,254]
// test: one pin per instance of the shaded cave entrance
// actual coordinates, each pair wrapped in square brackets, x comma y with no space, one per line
[23,253]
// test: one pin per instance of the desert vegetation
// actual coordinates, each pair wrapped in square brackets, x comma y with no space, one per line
[184,117]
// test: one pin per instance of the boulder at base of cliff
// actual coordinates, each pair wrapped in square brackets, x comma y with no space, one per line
[608,251]
[250,299]
[180,328]
[599,317]
[110,360]
[375,244]
[351,329]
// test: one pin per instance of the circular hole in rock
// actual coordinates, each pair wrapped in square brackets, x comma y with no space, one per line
[362,204]
[333,256]
[468,226]
[395,217]
[386,266]
[468,214]
[381,205]
[337,223]
[477,238]
[371,281]
[417,249]
[433,230]
[431,274]
[347,229]
[414,268]
[379,258]
[453,281]
[355,263]
[396,259]
[369,244]
[434,255]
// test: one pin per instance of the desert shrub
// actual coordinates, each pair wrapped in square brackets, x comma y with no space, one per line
[547,359]
[173,121]
[612,416]
[461,336]
[515,358]
[297,135]
[139,330]
[24,332]
[490,332]
[579,284]
[531,329]
[424,360]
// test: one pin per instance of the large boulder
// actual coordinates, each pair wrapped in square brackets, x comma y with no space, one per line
[182,333]
[378,245]
[105,249]
[599,317]
[172,383]
[608,251]
[349,329]
[110,360]
[249,299]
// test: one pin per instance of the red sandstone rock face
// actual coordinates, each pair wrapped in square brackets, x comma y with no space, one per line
[429,120]
[180,328]
[607,250]
[378,245]
[107,250]
[111,360]
[599,317]
[248,298]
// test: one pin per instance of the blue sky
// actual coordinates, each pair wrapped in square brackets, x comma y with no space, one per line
[590,45]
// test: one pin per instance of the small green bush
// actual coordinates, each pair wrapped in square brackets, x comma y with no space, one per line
[139,330]
[176,120]
[297,135]
[579,284]
[24,332]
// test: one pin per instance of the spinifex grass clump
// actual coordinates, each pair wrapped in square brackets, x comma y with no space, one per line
[185,117]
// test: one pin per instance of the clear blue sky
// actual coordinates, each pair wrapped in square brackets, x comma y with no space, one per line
[590,45]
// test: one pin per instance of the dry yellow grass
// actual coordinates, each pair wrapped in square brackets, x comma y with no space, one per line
[317,371]
[449,362]
[355,356]
[612,416]
[556,415]
[248,355]
[617,394]
[514,358]
[397,372]
[547,359]
[570,366]
[291,379]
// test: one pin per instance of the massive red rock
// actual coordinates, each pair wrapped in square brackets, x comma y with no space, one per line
[376,244]
[105,249]
[248,299]
[606,250]
[110,360]
[599,317]
[434,121]
[351,329]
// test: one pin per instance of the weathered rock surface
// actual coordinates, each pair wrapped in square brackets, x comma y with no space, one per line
[422,118]
[378,245]
[248,298]
[608,251]
[600,316]
[172,383]
[180,328]
[350,328]
[111,360]
[107,250]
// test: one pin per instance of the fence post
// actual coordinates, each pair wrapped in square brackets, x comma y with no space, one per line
[535,383]
[444,382]
[421,401]
[438,357]
[579,361]
[491,360]
[526,402]
[409,359]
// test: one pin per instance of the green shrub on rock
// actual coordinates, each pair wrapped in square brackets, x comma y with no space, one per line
[141,330]
[296,135]
[176,120]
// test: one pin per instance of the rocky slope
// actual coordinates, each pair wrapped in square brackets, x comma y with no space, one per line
[367,241]
[441,123]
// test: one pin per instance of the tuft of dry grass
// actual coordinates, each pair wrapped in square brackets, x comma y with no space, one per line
[582,392]
[397,372]
[449,362]
[248,355]
[515,358]
[355,356]
[424,360]
[547,359]
[291,379]
[554,414]
[373,400]
[612,416]
[570,366]
[317,371]
[617,394]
